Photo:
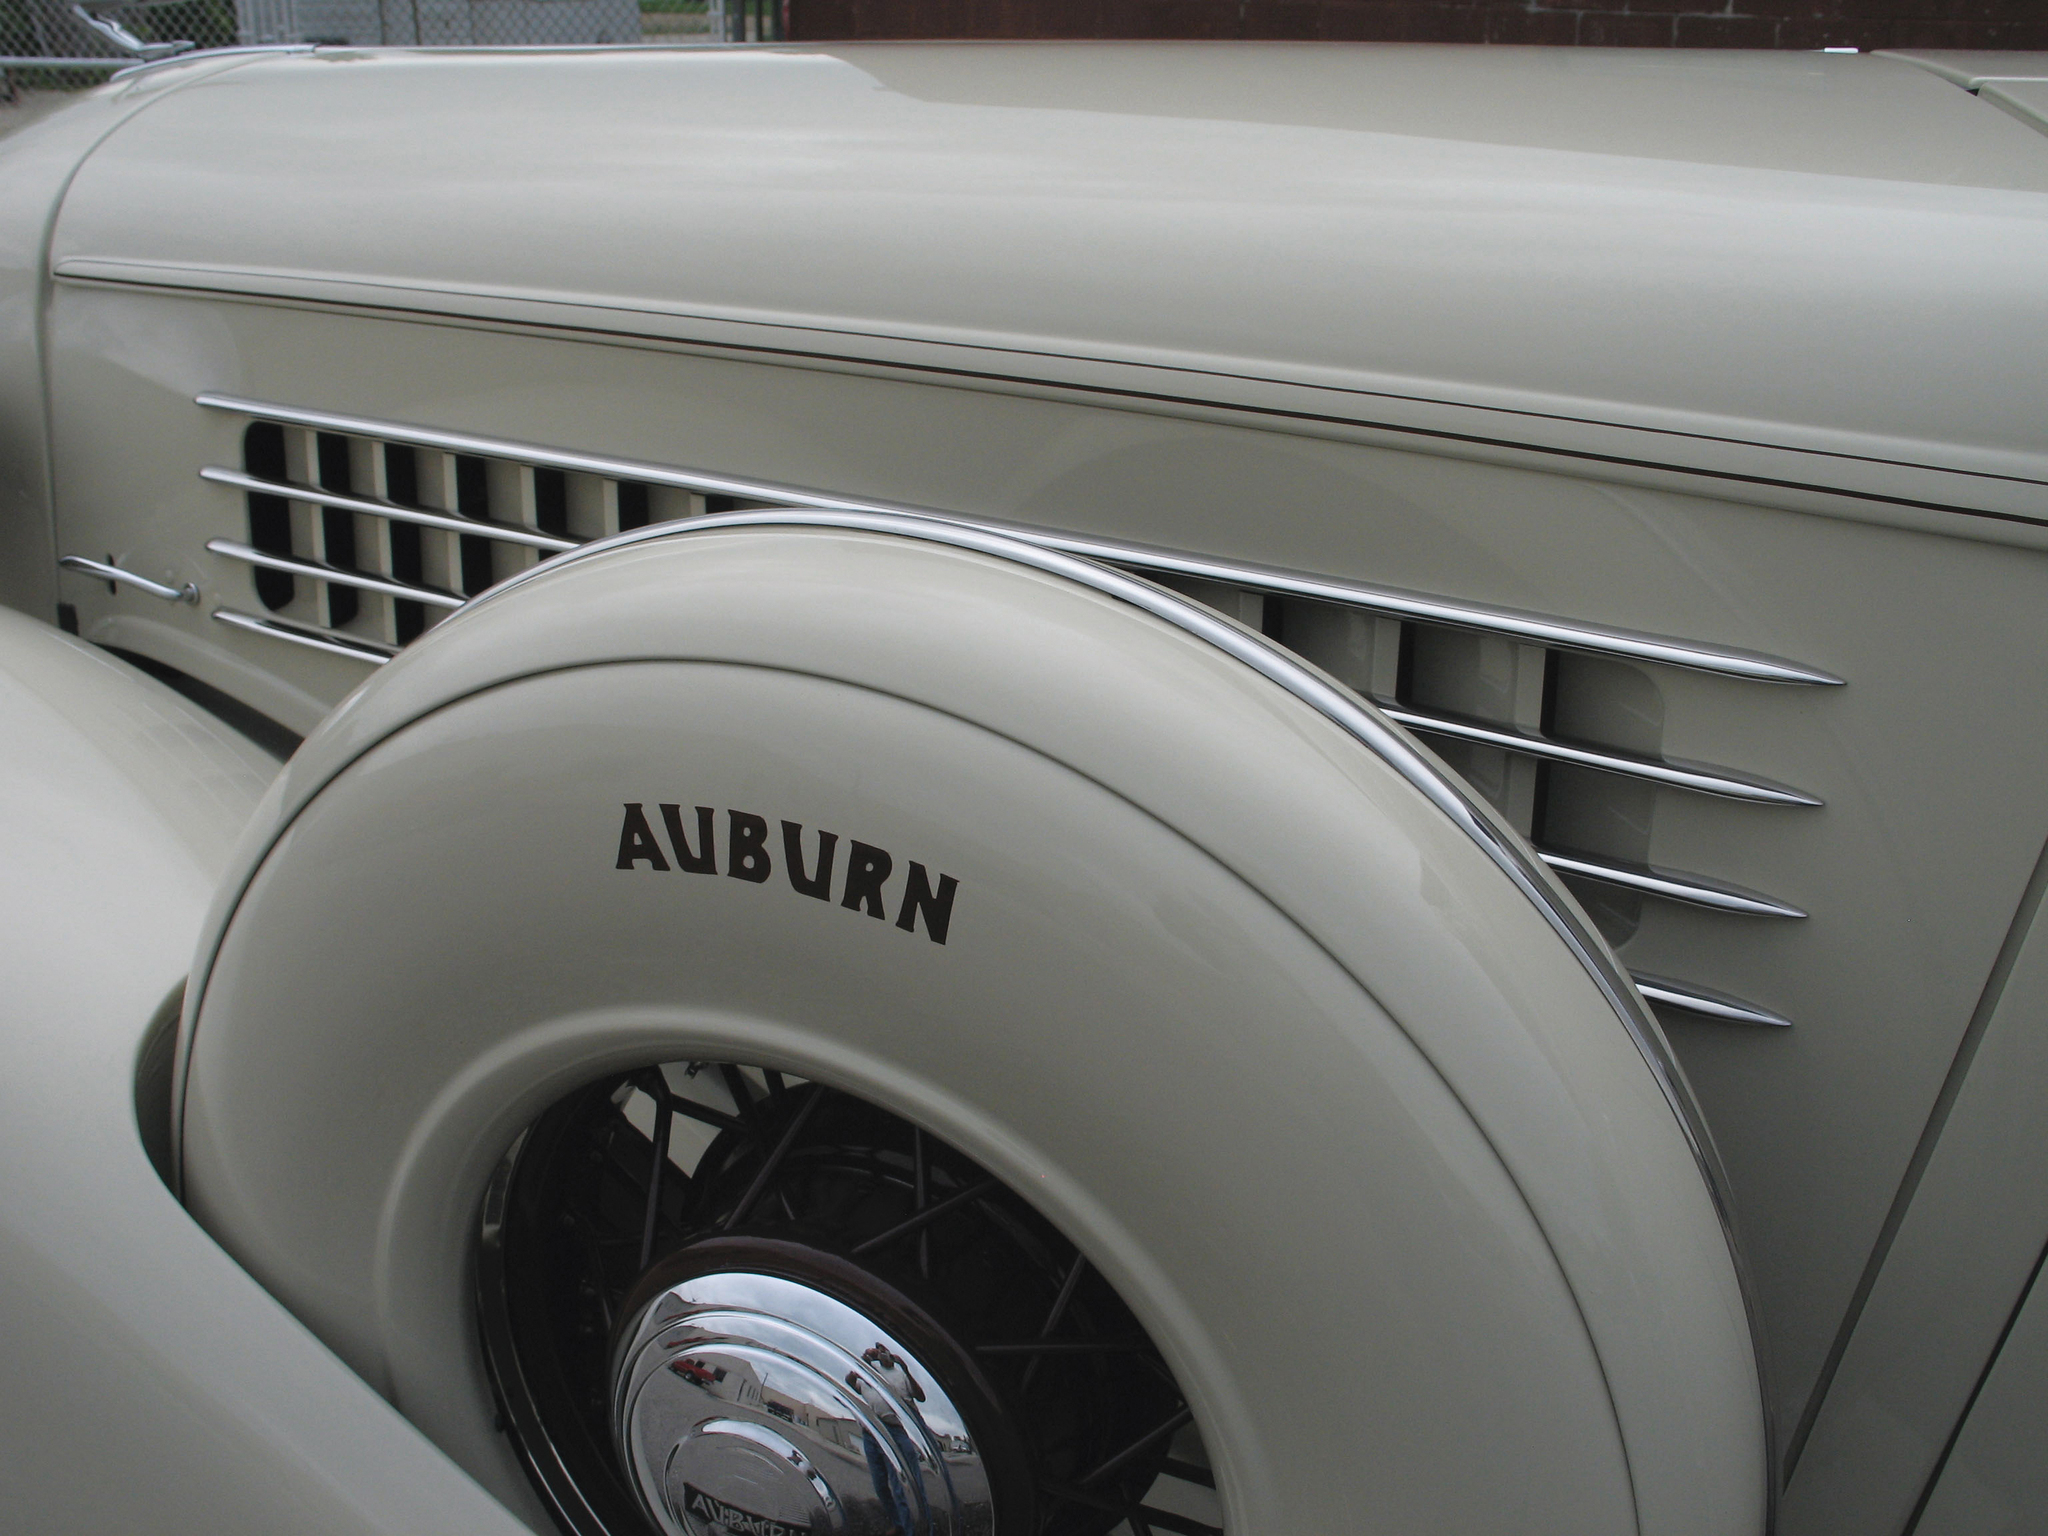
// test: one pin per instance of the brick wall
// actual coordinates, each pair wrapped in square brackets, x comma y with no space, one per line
[1592,23]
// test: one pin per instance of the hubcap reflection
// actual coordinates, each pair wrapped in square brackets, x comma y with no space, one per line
[752,1405]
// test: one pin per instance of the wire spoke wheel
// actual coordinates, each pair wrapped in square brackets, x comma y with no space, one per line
[715,1298]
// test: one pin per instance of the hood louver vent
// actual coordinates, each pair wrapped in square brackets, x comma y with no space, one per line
[1561,742]
[364,534]
[361,543]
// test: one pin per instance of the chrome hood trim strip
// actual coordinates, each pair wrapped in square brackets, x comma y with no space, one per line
[333,642]
[1722,1007]
[1535,629]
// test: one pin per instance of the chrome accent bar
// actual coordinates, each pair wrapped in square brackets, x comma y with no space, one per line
[1694,890]
[311,637]
[1536,629]
[1677,774]
[1706,1002]
[320,570]
[372,506]
[188,593]
[1418,607]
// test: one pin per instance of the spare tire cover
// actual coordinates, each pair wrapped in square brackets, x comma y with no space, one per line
[1233,987]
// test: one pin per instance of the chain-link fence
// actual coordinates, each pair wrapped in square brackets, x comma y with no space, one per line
[61,44]
[56,44]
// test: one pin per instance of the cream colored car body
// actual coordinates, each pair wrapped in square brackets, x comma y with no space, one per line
[1557,368]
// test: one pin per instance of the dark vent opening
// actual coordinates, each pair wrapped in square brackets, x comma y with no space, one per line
[473,487]
[1608,818]
[402,485]
[263,450]
[476,565]
[408,564]
[402,479]
[1616,914]
[270,517]
[1460,672]
[633,505]
[721,503]
[1273,619]
[1540,831]
[1613,704]
[1607,702]
[473,499]
[332,449]
[343,603]
[337,528]
[551,500]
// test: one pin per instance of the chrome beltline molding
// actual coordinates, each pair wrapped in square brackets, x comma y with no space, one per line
[1535,629]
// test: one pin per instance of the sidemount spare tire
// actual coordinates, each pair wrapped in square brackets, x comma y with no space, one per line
[1167,932]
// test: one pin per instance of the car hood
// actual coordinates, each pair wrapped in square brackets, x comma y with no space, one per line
[1832,253]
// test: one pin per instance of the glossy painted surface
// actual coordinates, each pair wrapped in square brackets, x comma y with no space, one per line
[1174,935]
[1956,1269]
[1917,205]
[2026,100]
[1911,872]
[1995,1480]
[1537,245]
[36,166]
[148,1383]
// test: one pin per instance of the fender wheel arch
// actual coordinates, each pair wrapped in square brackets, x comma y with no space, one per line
[1479,1012]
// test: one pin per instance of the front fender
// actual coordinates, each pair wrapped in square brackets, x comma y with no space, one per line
[148,1382]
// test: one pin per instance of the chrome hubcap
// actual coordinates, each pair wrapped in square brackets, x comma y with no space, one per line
[721,1301]
[754,1405]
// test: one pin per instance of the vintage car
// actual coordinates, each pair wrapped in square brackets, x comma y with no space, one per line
[1026,791]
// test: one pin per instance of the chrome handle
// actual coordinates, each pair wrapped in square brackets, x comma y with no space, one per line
[188,593]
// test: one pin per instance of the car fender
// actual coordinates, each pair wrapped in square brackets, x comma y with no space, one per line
[340,1120]
[148,1382]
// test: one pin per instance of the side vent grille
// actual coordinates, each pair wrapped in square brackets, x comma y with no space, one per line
[362,535]
[1562,742]
[359,543]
